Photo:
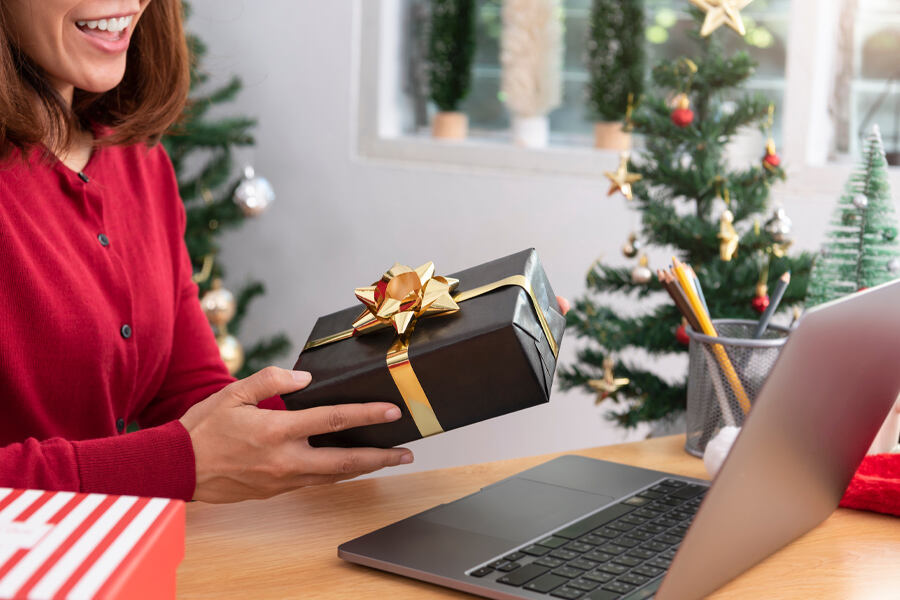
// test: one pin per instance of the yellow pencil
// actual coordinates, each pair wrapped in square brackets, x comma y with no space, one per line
[707,326]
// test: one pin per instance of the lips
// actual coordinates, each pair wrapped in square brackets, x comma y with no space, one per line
[110,34]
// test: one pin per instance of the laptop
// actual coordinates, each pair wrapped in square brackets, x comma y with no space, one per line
[587,529]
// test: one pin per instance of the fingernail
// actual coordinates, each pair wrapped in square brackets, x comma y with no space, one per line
[392,414]
[301,376]
[407,458]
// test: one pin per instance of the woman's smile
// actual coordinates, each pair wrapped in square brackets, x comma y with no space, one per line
[111,33]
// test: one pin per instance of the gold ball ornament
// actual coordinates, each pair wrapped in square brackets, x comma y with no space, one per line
[218,305]
[231,351]
[641,274]
[253,194]
[631,247]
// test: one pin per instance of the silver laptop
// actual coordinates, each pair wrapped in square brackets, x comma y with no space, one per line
[588,529]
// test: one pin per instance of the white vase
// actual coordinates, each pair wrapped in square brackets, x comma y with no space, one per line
[887,437]
[531,132]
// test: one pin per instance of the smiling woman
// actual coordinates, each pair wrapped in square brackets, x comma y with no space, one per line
[68,53]
[100,324]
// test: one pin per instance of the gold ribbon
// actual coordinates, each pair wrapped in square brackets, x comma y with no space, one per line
[398,299]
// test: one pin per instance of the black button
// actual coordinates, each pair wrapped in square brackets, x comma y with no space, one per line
[104,241]
[120,425]
[125,331]
[83,177]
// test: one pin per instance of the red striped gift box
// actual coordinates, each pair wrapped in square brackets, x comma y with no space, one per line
[68,545]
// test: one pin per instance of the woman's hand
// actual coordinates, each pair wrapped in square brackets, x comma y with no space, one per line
[242,451]
[564,305]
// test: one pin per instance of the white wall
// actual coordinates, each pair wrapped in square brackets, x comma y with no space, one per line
[339,220]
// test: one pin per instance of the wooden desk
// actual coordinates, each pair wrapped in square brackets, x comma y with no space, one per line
[286,547]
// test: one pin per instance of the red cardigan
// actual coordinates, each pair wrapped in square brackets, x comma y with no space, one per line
[100,325]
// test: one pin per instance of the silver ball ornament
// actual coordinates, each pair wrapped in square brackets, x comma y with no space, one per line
[860,201]
[893,266]
[218,305]
[641,275]
[779,226]
[253,194]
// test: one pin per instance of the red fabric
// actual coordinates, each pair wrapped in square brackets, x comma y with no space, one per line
[67,373]
[876,485]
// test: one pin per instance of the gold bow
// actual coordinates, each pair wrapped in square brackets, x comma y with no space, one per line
[402,295]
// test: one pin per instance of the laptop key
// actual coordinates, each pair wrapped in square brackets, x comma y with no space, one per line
[507,567]
[579,547]
[497,563]
[535,550]
[645,513]
[593,539]
[688,491]
[582,583]
[599,576]
[608,532]
[545,583]
[634,579]
[618,586]
[670,554]
[628,561]
[636,501]
[549,561]
[602,595]
[640,535]
[666,522]
[613,568]
[583,564]
[641,553]
[621,526]
[564,554]
[612,548]
[674,483]
[651,495]
[553,542]
[655,546]
[598,556]
[569,593]
[669,539]
[627,542]
[524,575]
[634,519]
[568,572]
[648,571]
[588,524]
[514,556]
[652,528]
[659,562]
[481,572]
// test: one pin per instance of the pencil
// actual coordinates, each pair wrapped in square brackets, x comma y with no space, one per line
[680,301]
[696,281]
[777,295]
[708,328]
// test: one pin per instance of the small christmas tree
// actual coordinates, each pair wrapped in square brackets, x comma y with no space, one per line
[615,57]
[451,47]
[692,202]
[861,248]
[201,152]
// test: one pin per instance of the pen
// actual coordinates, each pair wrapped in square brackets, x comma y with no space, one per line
[777,295]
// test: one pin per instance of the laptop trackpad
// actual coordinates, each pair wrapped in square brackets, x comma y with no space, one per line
[516,509]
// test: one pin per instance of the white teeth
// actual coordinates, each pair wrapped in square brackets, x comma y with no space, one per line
[114,25]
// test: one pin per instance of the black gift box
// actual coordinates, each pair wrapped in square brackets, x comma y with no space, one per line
[489,358]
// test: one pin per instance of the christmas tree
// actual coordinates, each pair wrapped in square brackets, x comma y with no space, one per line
[201,150]
[691,202]
[451,48]
[615,57]
[861,248]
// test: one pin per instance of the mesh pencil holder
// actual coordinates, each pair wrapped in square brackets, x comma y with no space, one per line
[725,375]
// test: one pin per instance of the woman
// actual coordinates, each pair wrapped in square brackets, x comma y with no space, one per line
[99,318]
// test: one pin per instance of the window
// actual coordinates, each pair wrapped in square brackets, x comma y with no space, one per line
[667,22]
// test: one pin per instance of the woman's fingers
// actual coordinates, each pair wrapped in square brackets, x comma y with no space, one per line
[564,305]
[350,462]
[328,419]
[263,384]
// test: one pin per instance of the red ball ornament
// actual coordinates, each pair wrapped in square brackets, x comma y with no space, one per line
[771,160]
[760,303]
[862,289]
[682,336]
[682,116]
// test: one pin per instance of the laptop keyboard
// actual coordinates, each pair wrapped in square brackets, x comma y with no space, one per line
[609,553]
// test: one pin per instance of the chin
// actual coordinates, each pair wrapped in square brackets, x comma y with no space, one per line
[101,84]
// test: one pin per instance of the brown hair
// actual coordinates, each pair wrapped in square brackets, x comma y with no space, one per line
[148,100]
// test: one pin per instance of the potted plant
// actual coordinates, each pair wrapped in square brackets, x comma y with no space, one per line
[451,47]
[531,56]
[615,63]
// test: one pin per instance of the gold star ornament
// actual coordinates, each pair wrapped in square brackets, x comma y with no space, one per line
[722,12]
[610,384]
[621,179]
[404,294]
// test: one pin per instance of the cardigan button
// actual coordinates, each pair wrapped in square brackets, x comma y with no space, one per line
[120,425]
[104,241]
[125,331]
